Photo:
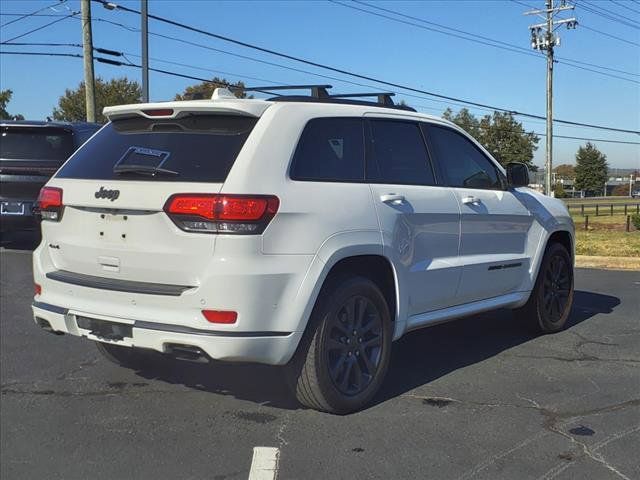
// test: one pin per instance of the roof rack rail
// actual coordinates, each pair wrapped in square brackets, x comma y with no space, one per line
[317,91]
[384,98]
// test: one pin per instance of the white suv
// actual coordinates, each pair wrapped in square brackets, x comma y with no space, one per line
[301,231]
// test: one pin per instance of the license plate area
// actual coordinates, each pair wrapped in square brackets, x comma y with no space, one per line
[13,208]
[104,329]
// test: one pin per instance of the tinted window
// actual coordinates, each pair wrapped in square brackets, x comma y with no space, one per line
[26,143]
[398,154]
[463,165]
[330,149]
[200,148]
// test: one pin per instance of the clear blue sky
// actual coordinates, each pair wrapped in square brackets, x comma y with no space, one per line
[332,34]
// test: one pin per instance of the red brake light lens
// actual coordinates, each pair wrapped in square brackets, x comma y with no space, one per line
[201,206]
[236,214]
[50,203]
[159,112]
[219,316]
[50,197]
[37,289]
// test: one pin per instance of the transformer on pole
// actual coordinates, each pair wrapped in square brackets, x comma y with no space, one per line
[544,38]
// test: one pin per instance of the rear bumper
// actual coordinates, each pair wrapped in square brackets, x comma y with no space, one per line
[272,348]
[10,223]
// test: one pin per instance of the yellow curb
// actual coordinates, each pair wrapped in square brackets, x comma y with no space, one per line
[608,263]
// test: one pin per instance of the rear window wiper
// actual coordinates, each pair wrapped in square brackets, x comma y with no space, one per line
[144,170]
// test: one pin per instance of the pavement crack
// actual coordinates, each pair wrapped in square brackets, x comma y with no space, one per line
[589,453]
[280,435]
[582,358]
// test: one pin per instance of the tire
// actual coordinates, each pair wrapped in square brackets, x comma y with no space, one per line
[345,352]
[549,305]
[127,357]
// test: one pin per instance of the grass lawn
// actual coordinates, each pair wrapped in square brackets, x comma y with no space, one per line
[606,237]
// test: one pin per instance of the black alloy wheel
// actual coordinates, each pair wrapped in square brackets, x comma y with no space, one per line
[354,345]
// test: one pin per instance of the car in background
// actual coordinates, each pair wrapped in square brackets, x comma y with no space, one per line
[30,153]
[635,194]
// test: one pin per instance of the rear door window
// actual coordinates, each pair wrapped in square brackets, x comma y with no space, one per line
[196,148]
[461,162]
[330,150]
[398,154]
[35,143]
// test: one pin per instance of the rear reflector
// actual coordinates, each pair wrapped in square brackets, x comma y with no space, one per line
[216,213]
[37,289]
[219,316]
[49,203]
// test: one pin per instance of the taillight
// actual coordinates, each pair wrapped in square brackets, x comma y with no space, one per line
[37,289]
[217,213]
[49,203]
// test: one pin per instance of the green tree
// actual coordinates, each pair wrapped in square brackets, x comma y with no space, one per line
[117,91]
[592,169]
[500,133]
[565,171]
[5,98]
[204,90]
[465,120]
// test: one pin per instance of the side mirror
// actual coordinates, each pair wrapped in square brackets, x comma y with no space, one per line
[517,175]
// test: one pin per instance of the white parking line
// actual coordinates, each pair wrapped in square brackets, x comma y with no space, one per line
[264,465]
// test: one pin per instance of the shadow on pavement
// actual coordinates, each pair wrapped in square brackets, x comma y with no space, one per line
[417,359]
[425,355]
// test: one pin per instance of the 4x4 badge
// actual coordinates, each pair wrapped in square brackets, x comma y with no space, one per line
[110,194]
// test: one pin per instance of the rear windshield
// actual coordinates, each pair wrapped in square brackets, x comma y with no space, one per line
[26,143]
[197,148]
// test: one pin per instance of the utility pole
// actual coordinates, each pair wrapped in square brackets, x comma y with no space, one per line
[87,51]
[144,19]
[543,38]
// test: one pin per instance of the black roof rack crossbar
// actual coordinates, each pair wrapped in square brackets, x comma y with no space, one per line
[384,98]
[317,91]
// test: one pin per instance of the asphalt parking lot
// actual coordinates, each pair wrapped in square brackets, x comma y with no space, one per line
[480,398]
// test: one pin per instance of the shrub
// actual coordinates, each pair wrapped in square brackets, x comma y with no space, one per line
[635,219]
[558,191]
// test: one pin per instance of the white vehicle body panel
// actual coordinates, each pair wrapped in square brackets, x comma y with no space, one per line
[439,249]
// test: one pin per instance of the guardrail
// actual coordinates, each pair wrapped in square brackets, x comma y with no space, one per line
[606,208]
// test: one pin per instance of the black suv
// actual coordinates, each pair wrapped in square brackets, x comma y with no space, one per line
[30,153]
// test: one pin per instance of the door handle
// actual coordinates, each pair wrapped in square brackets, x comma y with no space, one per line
[393,198]
[470,200]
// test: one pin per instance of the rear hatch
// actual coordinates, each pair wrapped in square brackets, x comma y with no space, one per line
[114,188]
[29,155]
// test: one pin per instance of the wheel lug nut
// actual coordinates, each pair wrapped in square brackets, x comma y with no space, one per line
[349,354]
[357,354]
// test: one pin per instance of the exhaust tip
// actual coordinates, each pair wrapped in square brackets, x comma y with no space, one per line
[188,353]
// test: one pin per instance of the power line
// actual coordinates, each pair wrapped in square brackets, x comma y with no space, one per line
[25,15]
[128,63]
[357,75]
[607,11]
[47,54]
[474,36]
[596,11]
[620,4]
[44,44]
[40,28]
[286,67]
[2,14]
[582,25]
